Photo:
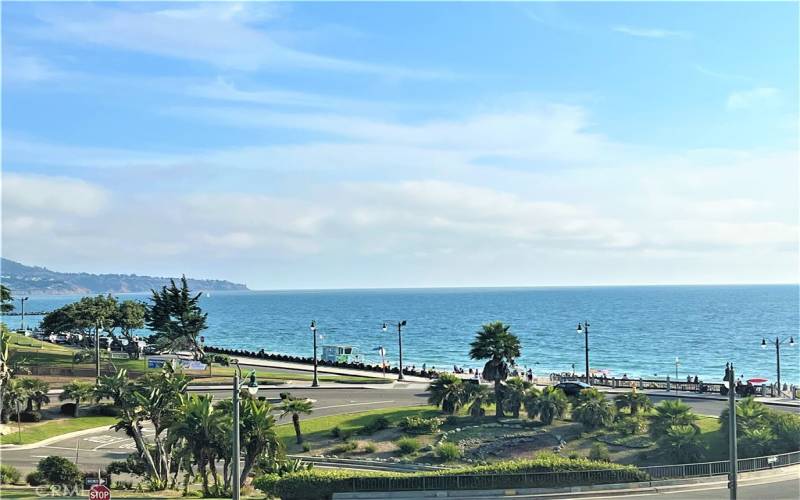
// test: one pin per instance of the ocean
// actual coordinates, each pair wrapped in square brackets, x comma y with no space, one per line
[635,330]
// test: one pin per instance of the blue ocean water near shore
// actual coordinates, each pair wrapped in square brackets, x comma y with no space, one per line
[637,330]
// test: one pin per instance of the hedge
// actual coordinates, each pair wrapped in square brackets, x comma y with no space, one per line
[319,484]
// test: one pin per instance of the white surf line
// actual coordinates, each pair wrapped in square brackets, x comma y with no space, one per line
[353,404]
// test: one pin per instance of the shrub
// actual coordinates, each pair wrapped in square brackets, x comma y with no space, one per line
[448,452]
[68,409]
[122,485]
[683,443]
[8,474]
[630,424]
[787,429]
[420,425]
[320,484]
[344,447]
[306,448]
[59,470]
[593,410]
[599,452]
[378,424]
[407,445]
[346,434]
[35,478]
[451,421]
[30,416]
[105,411]
[370,448]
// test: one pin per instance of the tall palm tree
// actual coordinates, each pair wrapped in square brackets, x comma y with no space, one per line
[295,407]
[549,404]
[500,347]
[15,396]
[635,401]
[514,394]
[199,426]
[258,435]
[670,413]
[447,391]
[593,410]
[36,390]
[78,391]
[477,395]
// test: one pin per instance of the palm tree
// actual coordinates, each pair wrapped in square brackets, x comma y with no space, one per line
[671,413]
[36,391]
[199,426]
[79,391]
[6,300]
[750,415]
[635,401]
[295,407]
[593,410]
[756,442]
[514,394]
[683,442]
[447,391]
[477,395]
[258,435]
[549,404]
[496,343]
[15,395]
[114,387]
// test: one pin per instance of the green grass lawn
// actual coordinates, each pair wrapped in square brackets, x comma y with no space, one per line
[38,353]
[37,432]
[321,426]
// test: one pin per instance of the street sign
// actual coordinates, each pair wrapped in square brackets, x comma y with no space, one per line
[99,492]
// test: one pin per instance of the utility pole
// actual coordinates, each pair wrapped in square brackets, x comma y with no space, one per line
[732,452]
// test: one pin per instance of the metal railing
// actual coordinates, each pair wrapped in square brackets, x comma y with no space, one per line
[564,478]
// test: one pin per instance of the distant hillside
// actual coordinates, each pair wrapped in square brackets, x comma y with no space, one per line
[39,280]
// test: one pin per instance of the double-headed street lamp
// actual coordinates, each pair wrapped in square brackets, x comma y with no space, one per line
[585,329]
[315,382]
[252,389]
[778,343]
[400,326]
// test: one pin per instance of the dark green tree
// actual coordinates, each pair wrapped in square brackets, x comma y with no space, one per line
[496,343]
[176,318]
[6,300]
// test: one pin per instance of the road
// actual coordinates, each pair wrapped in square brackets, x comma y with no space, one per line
[98,449]
[787,489]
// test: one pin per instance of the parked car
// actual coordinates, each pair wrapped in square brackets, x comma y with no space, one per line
[572,387]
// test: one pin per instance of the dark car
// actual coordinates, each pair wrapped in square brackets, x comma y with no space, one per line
[573,387]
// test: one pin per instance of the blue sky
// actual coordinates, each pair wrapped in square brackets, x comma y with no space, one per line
[304,145]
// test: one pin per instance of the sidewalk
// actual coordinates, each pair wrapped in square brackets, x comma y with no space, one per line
[787,402]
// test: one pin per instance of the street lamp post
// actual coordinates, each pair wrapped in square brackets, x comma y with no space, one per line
[22,312]
[677,364]
[252,388]
[733,453]
[778,343]
[97,352]
[585,329]
[400,326]
[315,382]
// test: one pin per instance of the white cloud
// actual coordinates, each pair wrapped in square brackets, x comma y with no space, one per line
[650,32]
[26,194]
[758,97]
[225,35]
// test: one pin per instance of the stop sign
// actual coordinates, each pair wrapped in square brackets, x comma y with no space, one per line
[99,492]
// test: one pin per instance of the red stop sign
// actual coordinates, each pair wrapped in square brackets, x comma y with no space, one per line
[99,492]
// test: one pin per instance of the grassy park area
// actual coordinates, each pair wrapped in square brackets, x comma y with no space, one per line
[32,432]
[37,353]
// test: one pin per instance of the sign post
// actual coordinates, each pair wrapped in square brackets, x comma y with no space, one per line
[99,492]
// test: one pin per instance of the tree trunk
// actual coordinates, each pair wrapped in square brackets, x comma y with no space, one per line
[296,422]
[76,411]
[515,413]
[141,447]
[498,399]
[203,475]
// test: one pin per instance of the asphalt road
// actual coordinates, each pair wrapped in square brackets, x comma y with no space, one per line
[788,489]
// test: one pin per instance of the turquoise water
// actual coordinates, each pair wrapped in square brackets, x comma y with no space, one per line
[634,330]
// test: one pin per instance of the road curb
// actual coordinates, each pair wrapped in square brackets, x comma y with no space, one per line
[45,442]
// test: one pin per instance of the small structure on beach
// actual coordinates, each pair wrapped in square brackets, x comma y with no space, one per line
[341,354]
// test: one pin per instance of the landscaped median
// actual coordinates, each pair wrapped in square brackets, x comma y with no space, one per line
[544,471]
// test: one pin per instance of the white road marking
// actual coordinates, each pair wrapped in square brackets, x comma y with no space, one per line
[354,404]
